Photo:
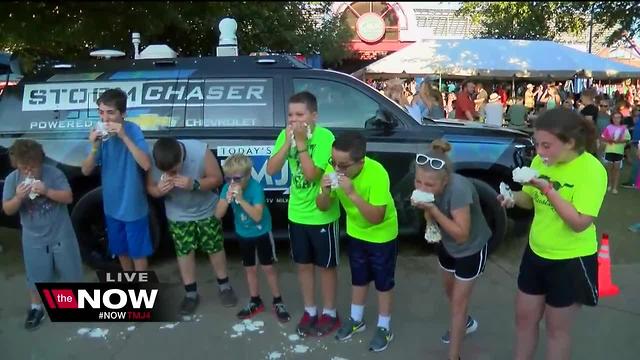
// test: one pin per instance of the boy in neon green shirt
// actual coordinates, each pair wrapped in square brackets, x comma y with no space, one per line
[313,233]
[362,186]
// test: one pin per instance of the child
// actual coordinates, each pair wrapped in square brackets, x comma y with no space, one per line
[123,159]
[313,233]
[253,226]
[362,187]
[616,135]
[462,253]
[185,173]
[49,242]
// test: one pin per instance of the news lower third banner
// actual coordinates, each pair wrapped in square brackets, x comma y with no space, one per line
[124,296]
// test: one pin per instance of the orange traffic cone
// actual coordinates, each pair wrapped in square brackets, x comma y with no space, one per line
[605,286]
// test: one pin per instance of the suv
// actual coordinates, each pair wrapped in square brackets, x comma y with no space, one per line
[238,105]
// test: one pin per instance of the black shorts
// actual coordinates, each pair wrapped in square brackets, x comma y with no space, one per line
[373,262]
[266,250]
[612,157]
[314,244]
[563,282]
[464,268]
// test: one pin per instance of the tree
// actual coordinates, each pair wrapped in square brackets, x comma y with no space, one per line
[38,31]
[537,20]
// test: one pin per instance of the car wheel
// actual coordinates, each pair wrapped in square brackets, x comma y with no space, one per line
[494,214]
[88,222]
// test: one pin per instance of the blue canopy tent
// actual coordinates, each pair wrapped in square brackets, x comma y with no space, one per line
[495,59]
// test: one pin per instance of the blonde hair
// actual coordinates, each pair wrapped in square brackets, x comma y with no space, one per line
[237,163]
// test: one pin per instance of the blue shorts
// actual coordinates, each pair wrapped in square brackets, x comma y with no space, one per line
[373,262]
[129,238]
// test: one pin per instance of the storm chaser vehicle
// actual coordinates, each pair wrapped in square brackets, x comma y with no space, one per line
[238,104]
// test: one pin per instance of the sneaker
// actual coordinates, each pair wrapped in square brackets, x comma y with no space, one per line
[628,185]
[380,340]
[189,305]
[614,191]
[307,324]
[250,310]
[281,312]
[327,324]
[228,297]
[349,329]
[34,319]
[634,227]
[472,326]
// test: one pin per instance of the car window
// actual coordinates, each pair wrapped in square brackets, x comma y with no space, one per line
[246,102]
[339,105]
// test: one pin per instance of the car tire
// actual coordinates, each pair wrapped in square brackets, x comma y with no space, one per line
[88,222]
[494,214]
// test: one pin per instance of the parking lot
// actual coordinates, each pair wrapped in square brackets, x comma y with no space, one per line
[420,312]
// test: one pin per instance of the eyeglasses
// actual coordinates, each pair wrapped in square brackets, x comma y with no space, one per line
[234,178]
[436,164]
[338,166]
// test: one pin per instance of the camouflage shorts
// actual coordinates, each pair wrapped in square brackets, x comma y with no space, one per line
[205,235]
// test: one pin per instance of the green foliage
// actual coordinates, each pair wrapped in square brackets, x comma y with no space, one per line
[538,20]
[39,31]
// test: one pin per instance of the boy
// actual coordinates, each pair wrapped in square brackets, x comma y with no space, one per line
[48,240]
[252,221]
[362,187]
[123,159]
[185,172]
[313,233]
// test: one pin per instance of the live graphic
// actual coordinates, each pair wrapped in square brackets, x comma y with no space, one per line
[119,296]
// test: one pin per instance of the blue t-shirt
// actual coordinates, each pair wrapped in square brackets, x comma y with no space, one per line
[123,192]
[245,226]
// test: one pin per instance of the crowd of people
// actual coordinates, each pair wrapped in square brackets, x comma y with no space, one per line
[557,272]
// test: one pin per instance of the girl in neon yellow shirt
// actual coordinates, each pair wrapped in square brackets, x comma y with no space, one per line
[558,270]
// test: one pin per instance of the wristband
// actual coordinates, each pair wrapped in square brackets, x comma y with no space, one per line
[302,151]
[94,149]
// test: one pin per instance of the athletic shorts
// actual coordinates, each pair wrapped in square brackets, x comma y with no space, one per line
[129,238]
[43,262]
[314,244]
[261,247]
[205,235]
[372,262]
[613,157]
[562,282]
[464,268]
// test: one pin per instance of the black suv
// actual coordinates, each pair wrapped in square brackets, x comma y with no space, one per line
[239,104]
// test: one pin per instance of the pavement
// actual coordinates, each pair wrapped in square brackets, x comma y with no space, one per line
[420,314]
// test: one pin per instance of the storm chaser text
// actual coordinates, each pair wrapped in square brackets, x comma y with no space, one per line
[219,92]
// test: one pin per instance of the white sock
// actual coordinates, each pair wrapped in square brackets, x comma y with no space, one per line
[36,306]
[311,310]
[383,321]
[330,312]
[357,312]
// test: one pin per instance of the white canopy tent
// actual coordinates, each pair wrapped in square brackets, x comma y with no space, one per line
[494,58]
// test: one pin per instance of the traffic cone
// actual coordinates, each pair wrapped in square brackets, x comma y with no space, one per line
[605,286]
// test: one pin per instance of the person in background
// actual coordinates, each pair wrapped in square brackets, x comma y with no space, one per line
[616,136]
[558,271]
[452,113]
[529,98]
[493,111]
[568,104]
[465,106]
[433,101]
[517,113]
[590,109]
[635,153]
[481,97]
[49,243]
[551,99]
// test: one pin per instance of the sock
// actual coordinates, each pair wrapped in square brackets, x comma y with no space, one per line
[277,300]
[311,310]
[223,284]
[383,321]
[357,312]
[330,312]
[192,290]
[36,306]
[256,300]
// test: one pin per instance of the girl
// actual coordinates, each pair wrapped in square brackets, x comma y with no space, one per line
[616,136]
[558,268]
[552,98]
[462,253]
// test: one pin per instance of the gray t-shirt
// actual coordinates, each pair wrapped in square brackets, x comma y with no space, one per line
[44,221]
[187,205]
[459,193]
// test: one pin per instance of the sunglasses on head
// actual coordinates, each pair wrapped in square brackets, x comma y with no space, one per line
[233,178]
[434,163]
